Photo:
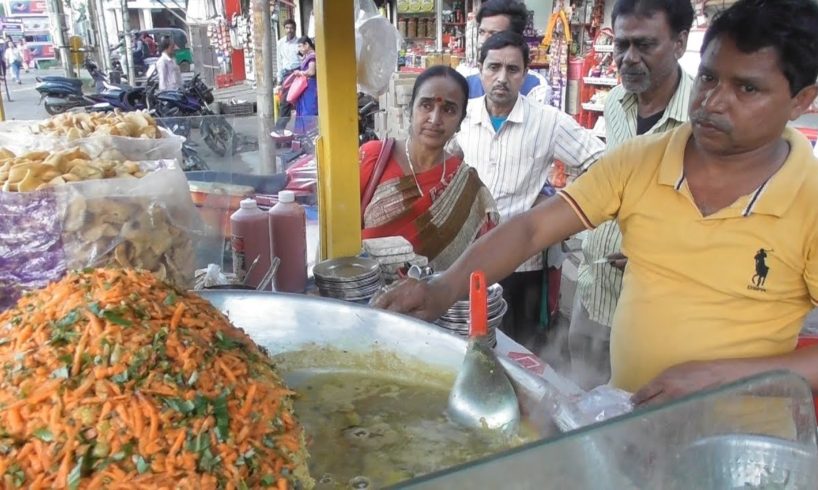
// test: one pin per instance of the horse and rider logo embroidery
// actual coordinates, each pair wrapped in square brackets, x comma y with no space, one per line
[761,270]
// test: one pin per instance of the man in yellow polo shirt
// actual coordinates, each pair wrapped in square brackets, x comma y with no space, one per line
[719,219]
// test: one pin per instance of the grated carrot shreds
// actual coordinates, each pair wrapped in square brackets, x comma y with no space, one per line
[156,390]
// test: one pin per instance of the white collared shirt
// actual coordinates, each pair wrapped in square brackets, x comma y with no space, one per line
[168,73]
[514,162]
[287,55]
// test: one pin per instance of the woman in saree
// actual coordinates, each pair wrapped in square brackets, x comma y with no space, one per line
[416,189]
[306,108]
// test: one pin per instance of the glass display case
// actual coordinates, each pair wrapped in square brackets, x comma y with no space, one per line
[757,433]
[228,158]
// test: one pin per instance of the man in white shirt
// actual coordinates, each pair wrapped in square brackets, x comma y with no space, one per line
[287,61]
[512,141]
[168,72]
[497,16]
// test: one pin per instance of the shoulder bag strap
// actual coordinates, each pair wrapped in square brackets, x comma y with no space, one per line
[377,173]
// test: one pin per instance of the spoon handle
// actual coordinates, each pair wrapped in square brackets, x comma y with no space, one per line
[478,299]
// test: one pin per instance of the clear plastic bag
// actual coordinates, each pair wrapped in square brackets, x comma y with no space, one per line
[377,44]
[148,223]
[20,137]
[600,404]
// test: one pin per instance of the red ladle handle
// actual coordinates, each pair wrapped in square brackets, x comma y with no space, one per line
[478,299]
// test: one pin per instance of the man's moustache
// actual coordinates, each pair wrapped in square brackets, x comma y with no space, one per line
[706,118]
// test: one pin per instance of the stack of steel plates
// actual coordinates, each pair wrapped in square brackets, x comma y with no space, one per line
[456,320]
[348,278]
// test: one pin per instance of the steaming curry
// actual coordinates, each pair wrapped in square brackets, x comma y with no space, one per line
[371,431]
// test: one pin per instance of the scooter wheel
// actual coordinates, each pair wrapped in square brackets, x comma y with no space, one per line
[55,109]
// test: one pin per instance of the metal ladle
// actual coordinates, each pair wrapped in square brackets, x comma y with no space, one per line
[482,396]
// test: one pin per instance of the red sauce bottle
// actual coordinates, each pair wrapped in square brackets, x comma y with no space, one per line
[288,235]
[250,239]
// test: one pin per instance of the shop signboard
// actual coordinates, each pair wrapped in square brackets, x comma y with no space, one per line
[38,25]
[11,27]
[27,7]
[41,50]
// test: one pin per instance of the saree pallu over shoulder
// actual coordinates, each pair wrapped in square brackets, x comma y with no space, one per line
[442,222]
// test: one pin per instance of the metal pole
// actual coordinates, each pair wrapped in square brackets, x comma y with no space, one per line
[94,37]
[104,45]
[61,35]
[126,30]
[439,24]
[264,56]
[339,193]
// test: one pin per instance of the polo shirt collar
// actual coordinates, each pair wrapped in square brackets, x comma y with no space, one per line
[774,197]
[677,108]
[671,170]
[483,117]
[779,192]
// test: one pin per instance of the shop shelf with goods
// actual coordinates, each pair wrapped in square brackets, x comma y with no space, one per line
[599,75]
[538,55]
[586,18]
[434,32]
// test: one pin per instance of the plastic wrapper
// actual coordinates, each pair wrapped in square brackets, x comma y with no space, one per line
[377,45]
[20,137]
[212,276]
[600,404]
[146,223]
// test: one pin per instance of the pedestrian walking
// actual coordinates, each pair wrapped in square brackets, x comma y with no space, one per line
[14,59]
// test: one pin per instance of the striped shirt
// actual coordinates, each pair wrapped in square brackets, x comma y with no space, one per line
[599,285]
[513,162]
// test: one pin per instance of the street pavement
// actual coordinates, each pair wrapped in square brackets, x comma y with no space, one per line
[24,104]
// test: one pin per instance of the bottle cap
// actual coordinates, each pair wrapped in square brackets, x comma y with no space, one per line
[286,196]
[248,204]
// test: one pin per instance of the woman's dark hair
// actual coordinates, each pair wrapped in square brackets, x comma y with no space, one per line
[290,22]
[502,40]
[442,71]
[679,13]
[788,26]
[165,43]
[306,40]
[515,11]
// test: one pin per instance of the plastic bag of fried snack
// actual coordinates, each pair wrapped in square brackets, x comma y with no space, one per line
[143,220]
[112,136]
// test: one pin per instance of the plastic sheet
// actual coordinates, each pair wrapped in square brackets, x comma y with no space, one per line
[600,404]
[147,223]
[377,43]
[20,137]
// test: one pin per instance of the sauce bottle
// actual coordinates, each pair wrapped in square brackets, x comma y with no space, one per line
[250,239]
[288,236]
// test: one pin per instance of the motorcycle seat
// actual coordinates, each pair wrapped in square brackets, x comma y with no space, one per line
[58,90]
[64,80]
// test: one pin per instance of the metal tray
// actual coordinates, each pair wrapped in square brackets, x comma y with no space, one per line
[284,323]
[290,323]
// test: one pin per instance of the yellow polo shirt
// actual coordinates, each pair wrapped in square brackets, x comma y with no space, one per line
[734,284]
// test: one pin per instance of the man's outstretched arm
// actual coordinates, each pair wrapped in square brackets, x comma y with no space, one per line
[497,254]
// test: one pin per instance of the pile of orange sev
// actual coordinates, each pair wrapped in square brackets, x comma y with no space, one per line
[113,379]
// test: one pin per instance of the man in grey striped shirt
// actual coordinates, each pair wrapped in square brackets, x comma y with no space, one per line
[511,141]
[649,38]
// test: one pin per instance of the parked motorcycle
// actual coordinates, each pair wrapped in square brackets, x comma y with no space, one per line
[178,108]
[60,94]
[367,108]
